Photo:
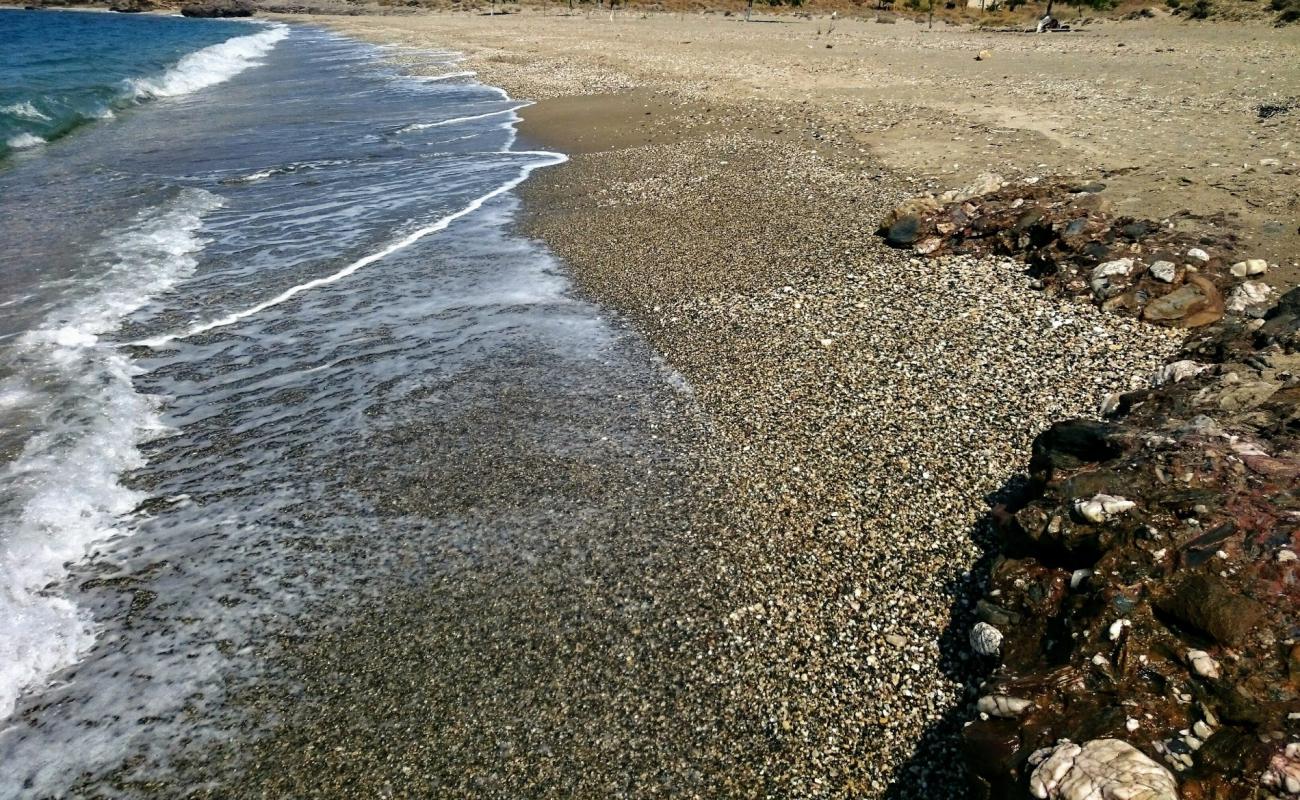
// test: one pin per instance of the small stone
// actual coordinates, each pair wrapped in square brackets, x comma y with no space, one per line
[1177,372]
[984,55]
[996,705]
[1117,627]
[985,639]
[1286,556]
[1203,664]
[1120,266]
[1103,507]
[905,231]
[1131,724]
[1197,254]
[1164,271]
[1247,294]
[896,640]
[1251,266]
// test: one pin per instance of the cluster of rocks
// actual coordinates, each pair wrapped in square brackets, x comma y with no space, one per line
[1141,616]
[1072,243]
[218,8]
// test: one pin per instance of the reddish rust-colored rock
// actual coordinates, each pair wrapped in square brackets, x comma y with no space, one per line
[1173,626]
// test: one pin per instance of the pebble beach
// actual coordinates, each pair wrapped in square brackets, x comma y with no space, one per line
[865,408]
[532,402]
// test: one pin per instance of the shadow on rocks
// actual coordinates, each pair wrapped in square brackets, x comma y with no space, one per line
[937,766]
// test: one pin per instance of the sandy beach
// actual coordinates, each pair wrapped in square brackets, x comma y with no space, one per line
[865,406]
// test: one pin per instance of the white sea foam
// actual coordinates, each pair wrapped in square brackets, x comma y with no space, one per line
[62,492]
[24,110]
[549,159]
[420,126]
[23,141]
[467,73]
[211,65]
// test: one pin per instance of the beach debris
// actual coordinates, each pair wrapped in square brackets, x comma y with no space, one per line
[1101,769]
[985,639]
[984,55]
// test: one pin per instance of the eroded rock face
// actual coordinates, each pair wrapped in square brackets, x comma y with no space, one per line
[1072,242]
[1148,591]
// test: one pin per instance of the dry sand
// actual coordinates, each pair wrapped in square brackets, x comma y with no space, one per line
[725,184]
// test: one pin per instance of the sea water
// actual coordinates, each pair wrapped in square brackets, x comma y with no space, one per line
[244,264]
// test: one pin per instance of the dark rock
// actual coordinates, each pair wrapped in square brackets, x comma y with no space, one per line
[1072,443]
[1206,604]
[1098,617]
[1062,231]
[1091,187]
[904,232]
[218,8]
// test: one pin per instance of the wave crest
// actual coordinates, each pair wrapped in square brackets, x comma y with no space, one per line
[209,66]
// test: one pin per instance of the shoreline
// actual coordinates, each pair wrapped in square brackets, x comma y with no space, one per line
[866,403]
[732,221]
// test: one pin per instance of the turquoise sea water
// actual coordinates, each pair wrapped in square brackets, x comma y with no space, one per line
[65,69]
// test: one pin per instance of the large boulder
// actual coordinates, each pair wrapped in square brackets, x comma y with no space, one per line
[218,8]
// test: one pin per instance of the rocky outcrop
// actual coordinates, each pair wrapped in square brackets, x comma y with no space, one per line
[1145,600]
[1073,244]
[218,8]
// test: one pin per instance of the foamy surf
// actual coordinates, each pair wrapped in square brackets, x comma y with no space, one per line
[441,224]
[211,65]
[25,110]
[23,141]
[420,126]
[62,492]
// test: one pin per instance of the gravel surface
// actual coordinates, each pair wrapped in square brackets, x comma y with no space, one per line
[861,407]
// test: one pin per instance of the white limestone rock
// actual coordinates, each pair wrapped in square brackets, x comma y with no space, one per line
[1177,372]
[1102,769]
[985,639]
[1203,664]
[1247,294]
[1283,773]
[1251,266]
[1103,507]
[1164,271]
[999,705]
